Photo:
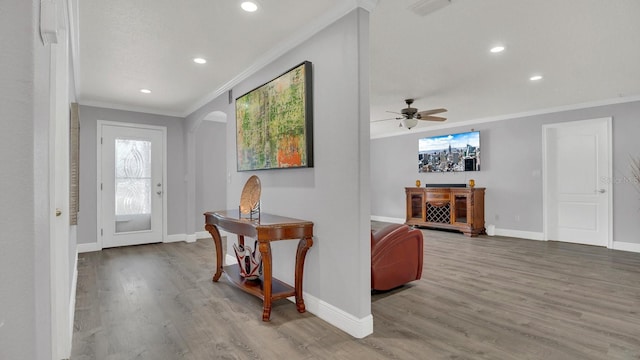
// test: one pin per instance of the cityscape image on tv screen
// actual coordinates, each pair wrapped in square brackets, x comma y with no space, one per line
[448,153]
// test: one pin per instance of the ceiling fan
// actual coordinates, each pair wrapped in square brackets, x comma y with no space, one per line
[411,115]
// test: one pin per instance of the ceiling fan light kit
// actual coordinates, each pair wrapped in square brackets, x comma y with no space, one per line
[409,123]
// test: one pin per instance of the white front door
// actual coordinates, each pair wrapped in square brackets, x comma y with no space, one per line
[132,174]
[577,179]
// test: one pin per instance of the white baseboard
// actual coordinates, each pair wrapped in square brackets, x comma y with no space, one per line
[388,219]
[175,238]
[90,247]
[530,235]
[625,246]
[358,328]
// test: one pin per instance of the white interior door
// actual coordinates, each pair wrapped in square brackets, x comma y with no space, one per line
[132,182]
[61,324]
[578,193]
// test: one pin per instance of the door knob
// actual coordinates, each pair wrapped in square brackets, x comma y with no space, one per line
[58,212]
[602,191]
[159,192]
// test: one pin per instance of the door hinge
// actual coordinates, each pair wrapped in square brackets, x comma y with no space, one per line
[100,186]
[100,141]
[101,232]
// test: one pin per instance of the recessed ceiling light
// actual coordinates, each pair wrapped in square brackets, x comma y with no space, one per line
[249,6]
[145,91]
[497,49]
[535,77]
[200,61]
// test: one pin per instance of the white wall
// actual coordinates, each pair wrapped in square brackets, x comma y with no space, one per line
[335,193]
[211,169]
[511,156]
[87,221]
[25,314]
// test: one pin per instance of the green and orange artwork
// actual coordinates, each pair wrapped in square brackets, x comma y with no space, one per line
[271,124]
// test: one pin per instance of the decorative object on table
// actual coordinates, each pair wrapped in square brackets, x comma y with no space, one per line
[250,197]
[274,123]
[472,183]
[249,260]
[417,183]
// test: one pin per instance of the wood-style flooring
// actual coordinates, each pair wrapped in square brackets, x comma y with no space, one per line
[479,298]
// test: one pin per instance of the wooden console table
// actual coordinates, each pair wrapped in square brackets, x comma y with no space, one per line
[265,230]
[451,208]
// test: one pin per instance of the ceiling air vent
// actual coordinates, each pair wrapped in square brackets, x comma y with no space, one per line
[426,7]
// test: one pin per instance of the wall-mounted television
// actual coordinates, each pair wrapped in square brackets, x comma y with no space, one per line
[449,153]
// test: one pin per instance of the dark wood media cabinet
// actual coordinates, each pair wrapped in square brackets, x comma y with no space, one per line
[454,208]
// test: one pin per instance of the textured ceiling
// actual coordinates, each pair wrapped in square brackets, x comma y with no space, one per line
[587,51]
[127,45]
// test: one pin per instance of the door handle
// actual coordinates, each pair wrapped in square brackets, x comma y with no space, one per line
[159,192]
[601,191]
[58,212]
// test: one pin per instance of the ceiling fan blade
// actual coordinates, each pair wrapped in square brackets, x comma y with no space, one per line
[431,112]
[432,118]
[395,118]
[394,112]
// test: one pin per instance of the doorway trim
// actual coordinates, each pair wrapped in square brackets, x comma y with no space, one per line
[99,125]
[546,179]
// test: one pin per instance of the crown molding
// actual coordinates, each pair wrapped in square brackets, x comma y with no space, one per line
[285,46]
[578,106]
[139,109]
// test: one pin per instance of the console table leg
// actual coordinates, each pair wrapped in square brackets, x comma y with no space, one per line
[303,245]
[241,240]
[215,234]
[265,251]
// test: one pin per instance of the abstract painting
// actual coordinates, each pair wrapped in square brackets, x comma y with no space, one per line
[274,123]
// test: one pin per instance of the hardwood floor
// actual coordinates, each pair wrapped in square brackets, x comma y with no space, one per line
[479,298]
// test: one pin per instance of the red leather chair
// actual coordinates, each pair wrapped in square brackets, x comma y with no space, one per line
[396,256]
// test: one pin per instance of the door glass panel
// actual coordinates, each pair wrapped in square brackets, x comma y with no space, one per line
[416,206]
[133,185]
[461,209]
